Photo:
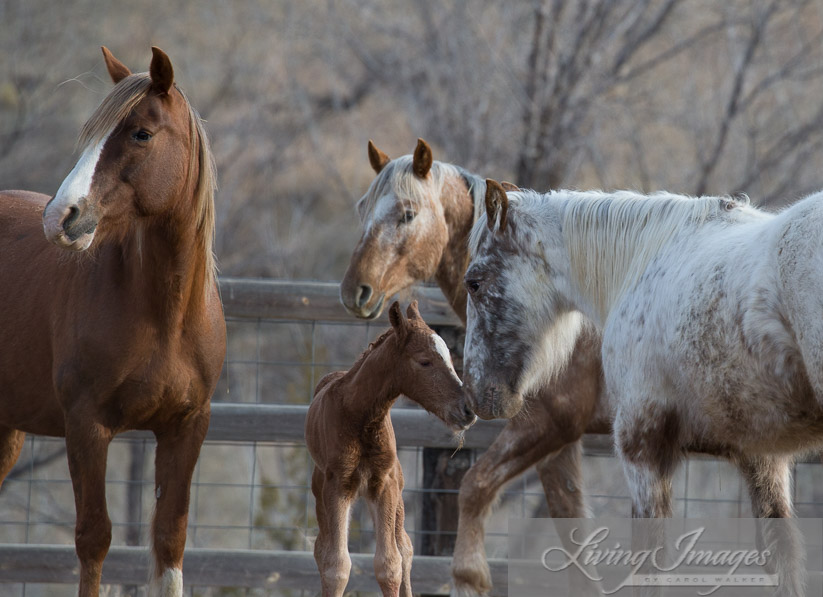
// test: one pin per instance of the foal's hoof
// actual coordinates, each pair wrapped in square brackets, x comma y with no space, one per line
[471,582]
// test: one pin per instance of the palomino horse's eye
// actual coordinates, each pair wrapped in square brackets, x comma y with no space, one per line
[407,217]
[141,135]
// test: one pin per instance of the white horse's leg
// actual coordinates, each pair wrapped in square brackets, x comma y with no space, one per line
[648,446]
[769,482]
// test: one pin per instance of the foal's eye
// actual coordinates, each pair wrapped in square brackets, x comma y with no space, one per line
[407,217]
[141,135]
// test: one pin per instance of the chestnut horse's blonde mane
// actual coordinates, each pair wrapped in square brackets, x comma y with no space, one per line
[117,106]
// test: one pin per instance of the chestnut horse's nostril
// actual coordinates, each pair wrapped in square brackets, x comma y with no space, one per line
[71,217]
[364,292]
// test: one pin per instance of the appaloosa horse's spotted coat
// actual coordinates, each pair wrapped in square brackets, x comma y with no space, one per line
[712,337]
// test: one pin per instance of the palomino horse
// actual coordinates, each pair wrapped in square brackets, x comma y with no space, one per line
[116,323]
[710,311]
[417,215]
[351,440]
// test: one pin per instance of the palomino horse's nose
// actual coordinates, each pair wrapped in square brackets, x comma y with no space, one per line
[364,292]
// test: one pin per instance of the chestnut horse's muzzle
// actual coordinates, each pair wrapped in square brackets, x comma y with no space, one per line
[70,226]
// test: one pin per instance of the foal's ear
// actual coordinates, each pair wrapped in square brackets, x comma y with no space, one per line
[398,322]
[496,202]
[422,160]
[117,70]
[509,186]
[160,71]
[377,158]
[412,311]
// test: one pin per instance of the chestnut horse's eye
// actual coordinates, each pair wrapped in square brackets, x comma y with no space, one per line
[141,135]
[425,363]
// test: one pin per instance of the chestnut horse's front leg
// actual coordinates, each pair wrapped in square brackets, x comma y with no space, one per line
[87,444]
[177,450]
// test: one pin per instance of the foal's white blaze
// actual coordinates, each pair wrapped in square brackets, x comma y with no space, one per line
[75,187]
[443,351]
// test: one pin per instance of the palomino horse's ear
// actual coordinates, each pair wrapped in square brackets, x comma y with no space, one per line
[412,311]
[422,161]
[496,202]
[509,186]
[377,158]
[117,70]
[398,322]
[160,71]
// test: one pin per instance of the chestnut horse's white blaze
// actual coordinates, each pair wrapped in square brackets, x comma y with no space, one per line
[74,189]
[712,336]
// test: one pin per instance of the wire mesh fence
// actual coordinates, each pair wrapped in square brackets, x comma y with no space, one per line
[255,495]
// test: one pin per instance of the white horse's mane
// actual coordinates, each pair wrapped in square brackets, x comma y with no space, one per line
[610,237]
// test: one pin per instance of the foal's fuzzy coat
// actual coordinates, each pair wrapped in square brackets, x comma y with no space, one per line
[351,440]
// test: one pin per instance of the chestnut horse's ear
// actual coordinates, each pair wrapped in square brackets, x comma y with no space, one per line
[117,70]
[398,322]
[496,202]
[377,158]
[160,71]
[509,186]
[412,311]
[422,161]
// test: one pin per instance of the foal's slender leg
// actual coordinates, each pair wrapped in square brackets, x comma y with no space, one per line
[523,442]
[769,482]
[331,550]
[388,560]
[177,451]
[87,446]
[11,443]
[406,548]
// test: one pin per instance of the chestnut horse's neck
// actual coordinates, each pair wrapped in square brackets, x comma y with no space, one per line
[461,196]
[162,262]
[374,382]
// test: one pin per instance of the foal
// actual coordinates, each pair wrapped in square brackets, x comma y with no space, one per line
[351,440]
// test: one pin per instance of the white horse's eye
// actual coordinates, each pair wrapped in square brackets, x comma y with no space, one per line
[472,286]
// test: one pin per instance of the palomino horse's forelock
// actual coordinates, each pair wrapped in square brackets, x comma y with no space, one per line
[202,173]
[398,178]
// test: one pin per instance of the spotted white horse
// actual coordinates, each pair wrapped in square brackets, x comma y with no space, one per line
[710,314]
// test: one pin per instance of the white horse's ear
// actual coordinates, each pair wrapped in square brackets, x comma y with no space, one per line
[377,158]
[509,186]
[496,202]
[117,70]
[422,159]
[398,322]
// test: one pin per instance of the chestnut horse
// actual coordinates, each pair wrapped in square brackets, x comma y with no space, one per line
[351,440]
[112,320]
[417,215]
